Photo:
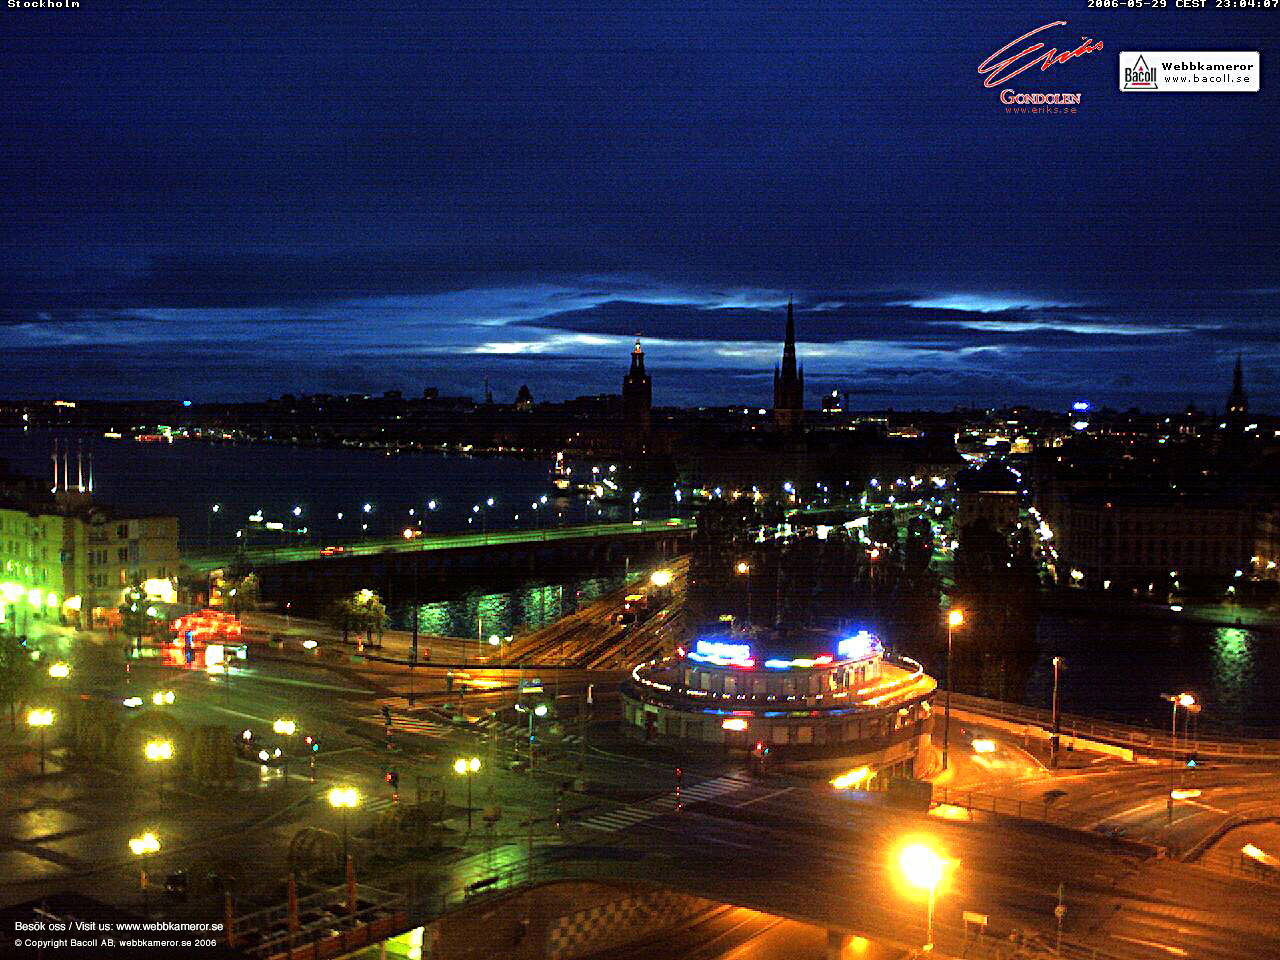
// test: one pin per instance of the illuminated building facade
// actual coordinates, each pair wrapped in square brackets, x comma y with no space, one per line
[814,699]
[75,557]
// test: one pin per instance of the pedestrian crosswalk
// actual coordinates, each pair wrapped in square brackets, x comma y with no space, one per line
[638,813]
[400,723]
[376,804]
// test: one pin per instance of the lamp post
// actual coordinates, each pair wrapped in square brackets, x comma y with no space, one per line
[40,720]
[923,868]
[286,729]
[158,751]
[464,767]
[1186,701]
[955,618]
[539,711]
[1055,741]
[345,800]
[743,569]
[144,846]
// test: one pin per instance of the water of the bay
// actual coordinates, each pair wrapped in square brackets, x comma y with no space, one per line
[1114,667]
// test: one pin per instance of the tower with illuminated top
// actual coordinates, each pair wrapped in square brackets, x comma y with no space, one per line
[1237,403]
[788,383]
[637,394]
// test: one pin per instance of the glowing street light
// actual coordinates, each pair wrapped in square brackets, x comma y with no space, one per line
[660,578]
[1188,702]
[955,618]
[157,751]
[40,720]
[465,767]
[144,846]
[923,869]
[284,728]
[344,799]
[59,670]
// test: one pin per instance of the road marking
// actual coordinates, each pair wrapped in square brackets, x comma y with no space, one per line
[416,725]
[638,813]
[1123,813]
[767,796]
[1174,951]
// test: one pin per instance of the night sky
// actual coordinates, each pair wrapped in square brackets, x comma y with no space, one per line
[230,201]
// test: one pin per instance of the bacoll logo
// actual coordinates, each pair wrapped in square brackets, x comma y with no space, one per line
[1139,76]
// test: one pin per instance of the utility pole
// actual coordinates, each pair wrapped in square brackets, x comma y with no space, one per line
[1055,740]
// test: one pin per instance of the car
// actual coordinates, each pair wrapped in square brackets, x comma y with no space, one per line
[332,551]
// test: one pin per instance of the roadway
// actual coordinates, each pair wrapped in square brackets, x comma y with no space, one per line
[1168,804]
[267,556]
[787,846]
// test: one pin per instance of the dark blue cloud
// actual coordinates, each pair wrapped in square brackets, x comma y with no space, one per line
[519,189]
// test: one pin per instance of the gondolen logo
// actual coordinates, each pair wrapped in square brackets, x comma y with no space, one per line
[1140,76]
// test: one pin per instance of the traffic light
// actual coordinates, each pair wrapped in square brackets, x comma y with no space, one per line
[312,743]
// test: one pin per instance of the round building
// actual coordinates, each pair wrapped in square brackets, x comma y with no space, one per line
[801,698]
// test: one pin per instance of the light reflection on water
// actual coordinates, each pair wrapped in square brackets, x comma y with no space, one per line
[481,613]
[1234,674]
[1120,668]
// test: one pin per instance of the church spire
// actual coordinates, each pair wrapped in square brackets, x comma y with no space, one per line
[788,383]
[789,347]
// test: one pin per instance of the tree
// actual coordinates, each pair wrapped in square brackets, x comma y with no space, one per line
[241,594]
[140,617]
[17,674]
[361,611]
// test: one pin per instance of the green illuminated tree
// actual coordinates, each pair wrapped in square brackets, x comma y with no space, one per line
[242,594]
[18,674]
[361,611]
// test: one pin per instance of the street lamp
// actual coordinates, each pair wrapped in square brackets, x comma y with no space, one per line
[923,868]
[344,799]
[743,569]
[40,719]
[284,728]
[158,750]
[1184,700]
[144,846]
[1053,744]
[955,618]
[464,767]
[59,670]
[539,711]
[660,578]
